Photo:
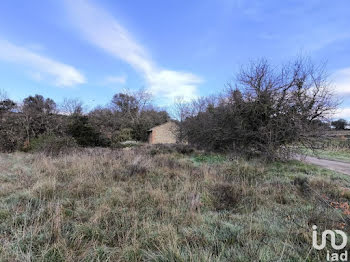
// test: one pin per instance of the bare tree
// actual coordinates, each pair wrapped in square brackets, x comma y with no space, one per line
[131,103]
[71,106]
[38,115]
[180,109]
[3,95]
[133,110]
[268,110]
[286,103]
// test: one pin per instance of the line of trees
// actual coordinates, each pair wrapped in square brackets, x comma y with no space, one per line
[340,124]
[128,117]
[265,111]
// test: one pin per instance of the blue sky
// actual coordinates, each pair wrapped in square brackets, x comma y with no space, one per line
[92,49]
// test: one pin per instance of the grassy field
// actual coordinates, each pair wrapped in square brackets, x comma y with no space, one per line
[337,155]
[333,148]
[158,204]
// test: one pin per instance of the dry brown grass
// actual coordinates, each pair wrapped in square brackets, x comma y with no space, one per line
[147,204]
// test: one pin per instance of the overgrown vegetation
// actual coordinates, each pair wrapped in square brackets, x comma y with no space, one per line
[52,145]
[265,111]
[80,195]
[164,204]
[128,117]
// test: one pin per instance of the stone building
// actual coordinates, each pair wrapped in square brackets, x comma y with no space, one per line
[163,134]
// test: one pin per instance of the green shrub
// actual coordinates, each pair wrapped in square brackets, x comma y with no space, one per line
[52,145]
[84,133]
[122,135]
[209,158]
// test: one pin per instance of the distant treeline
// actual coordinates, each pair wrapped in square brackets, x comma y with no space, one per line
[26,125]
[268,110]
[340,124]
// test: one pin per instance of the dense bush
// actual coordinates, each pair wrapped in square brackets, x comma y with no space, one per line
[53,145]
[122,135]
[8,141]
[83,132]
[265,113]
[12,131]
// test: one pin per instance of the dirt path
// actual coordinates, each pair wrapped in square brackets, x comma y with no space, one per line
[338,166]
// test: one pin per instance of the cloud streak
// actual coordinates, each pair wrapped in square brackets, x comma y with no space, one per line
[115,80]
[343,113]
[102,30]
[41,67]
[342,81]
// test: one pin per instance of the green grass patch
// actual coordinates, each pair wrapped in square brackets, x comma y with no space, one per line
[337,155]
[208,158]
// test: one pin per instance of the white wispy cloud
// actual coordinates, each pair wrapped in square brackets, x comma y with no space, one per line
[115,80]
[341,80]
[104,31]
[40,67]
[343,113]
